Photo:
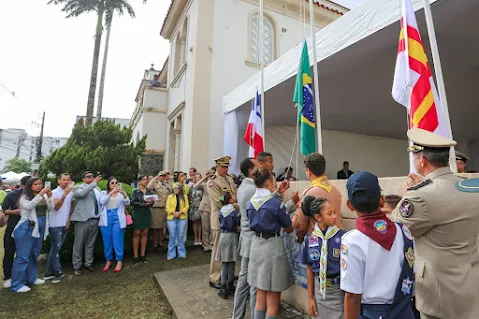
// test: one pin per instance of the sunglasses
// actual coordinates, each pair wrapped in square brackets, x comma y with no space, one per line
[113,182]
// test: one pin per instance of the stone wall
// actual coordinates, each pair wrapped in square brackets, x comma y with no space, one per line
[151,163]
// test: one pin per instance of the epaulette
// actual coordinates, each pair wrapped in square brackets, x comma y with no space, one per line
[213,177]
[418,186]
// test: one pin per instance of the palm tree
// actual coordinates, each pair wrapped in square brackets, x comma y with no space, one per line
[74,8]
[120,8]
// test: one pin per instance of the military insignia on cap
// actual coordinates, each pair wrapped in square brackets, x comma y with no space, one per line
[410,256]
[406,286]
[381,226]
[407,232]
[344,250]
[335,252]
[406,208]
[344,264]
[314,254]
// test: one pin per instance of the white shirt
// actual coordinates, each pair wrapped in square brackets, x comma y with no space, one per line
[369,269]
[59,218]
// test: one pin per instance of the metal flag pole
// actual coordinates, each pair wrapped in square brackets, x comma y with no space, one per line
[316,82]
[261,58]
[439,77]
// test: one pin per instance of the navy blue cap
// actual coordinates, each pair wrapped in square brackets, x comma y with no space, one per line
[365,182]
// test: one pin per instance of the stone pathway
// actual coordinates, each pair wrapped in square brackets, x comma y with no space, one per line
[188,294]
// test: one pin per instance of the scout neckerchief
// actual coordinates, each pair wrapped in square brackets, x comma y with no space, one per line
[377,227]
[322,182]
[227,209]
[260,197]
[323,260]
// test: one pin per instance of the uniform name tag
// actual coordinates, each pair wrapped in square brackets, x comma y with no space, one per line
[335,252]
[313,241]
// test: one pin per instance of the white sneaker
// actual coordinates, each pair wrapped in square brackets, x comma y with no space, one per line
[24,289]
[39,282]
[7,283]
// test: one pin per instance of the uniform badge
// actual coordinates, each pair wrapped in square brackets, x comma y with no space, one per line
[344,250]
[337,240]
[344,264]
[406,286]
[381,226]
[407,232]
[410,257]
[335,252]
[314,254]
[211,184]
[406,208]
[313,241]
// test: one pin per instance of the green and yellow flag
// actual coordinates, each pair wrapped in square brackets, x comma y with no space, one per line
[303,96]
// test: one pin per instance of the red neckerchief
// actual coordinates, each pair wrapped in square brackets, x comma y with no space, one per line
[377,227]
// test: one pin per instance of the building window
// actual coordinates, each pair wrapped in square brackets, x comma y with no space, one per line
[268,40]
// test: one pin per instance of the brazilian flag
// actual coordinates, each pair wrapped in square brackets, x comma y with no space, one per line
[303,97]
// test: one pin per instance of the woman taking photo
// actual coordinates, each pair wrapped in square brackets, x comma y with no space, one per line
[141,218]
[176,208]
[35,203]
[195,199]
[269,269]
[113,223]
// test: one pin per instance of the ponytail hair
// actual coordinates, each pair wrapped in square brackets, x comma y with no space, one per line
[313,206]
[225,198]
[260,176]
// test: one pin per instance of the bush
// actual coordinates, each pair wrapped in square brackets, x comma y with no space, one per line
[67,248]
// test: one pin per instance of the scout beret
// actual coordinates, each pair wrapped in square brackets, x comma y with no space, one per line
[423,139]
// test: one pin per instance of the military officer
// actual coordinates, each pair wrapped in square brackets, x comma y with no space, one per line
[219,184]
[443,221]
[461,160]
[160,186]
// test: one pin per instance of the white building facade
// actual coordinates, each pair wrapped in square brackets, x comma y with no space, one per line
[214,48]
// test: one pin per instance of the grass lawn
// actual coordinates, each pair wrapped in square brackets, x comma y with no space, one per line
[132,293]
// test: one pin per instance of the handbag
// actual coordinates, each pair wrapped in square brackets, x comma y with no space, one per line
[129,220]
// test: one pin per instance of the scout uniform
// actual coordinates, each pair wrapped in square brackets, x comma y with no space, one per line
[268,268]
[216,187]
[377,258]
[444,222]
[158,213]
[331,305]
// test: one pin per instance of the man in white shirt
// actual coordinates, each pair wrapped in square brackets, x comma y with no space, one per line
[377,257]
[58,226]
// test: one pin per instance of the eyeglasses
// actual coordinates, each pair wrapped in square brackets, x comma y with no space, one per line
[88,176]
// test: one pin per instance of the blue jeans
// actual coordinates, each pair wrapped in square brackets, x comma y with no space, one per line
[176,229]
[25,266]
[113,236]
[57,238]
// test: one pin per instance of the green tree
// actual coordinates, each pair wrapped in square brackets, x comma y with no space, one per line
[75,8]
[18,165]
[105,148]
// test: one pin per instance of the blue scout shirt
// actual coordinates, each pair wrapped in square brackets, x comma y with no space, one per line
[270,216]
[229,219]
[312,251]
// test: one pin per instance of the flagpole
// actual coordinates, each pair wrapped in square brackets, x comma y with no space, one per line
[439,77]
[316,82]
[261,58]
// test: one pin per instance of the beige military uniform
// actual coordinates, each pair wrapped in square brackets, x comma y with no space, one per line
[158,212]
[216,187]
[205,212]
[444,223]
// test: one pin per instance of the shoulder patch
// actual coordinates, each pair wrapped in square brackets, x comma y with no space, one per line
[418,186]
[406,208]
[211,184]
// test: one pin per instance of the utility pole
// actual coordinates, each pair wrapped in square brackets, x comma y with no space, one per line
[40,142]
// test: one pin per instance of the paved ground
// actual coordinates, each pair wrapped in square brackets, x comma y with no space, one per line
[188,293]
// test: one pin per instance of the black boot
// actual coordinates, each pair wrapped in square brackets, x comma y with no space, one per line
[223,293]
[231,288]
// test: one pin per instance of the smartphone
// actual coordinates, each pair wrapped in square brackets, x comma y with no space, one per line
[72,184]
[119,185]
[48,184]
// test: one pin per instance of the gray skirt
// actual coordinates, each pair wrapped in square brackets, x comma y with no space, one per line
[268,268]
[228,248]
[333,306]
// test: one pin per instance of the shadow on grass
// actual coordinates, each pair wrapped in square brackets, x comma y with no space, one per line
[132,293]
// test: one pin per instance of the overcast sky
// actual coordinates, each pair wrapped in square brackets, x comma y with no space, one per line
[46,59]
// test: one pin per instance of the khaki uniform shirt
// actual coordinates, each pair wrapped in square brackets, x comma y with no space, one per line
[162,190]
[205,204]
[217,186]
[444,223]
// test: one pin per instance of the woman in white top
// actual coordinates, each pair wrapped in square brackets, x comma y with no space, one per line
[113,223]
[31,229]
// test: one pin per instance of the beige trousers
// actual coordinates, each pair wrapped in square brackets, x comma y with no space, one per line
[206,230]
[215,266]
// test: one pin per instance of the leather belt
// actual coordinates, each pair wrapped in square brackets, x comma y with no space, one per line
[266,235]
[330,281]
